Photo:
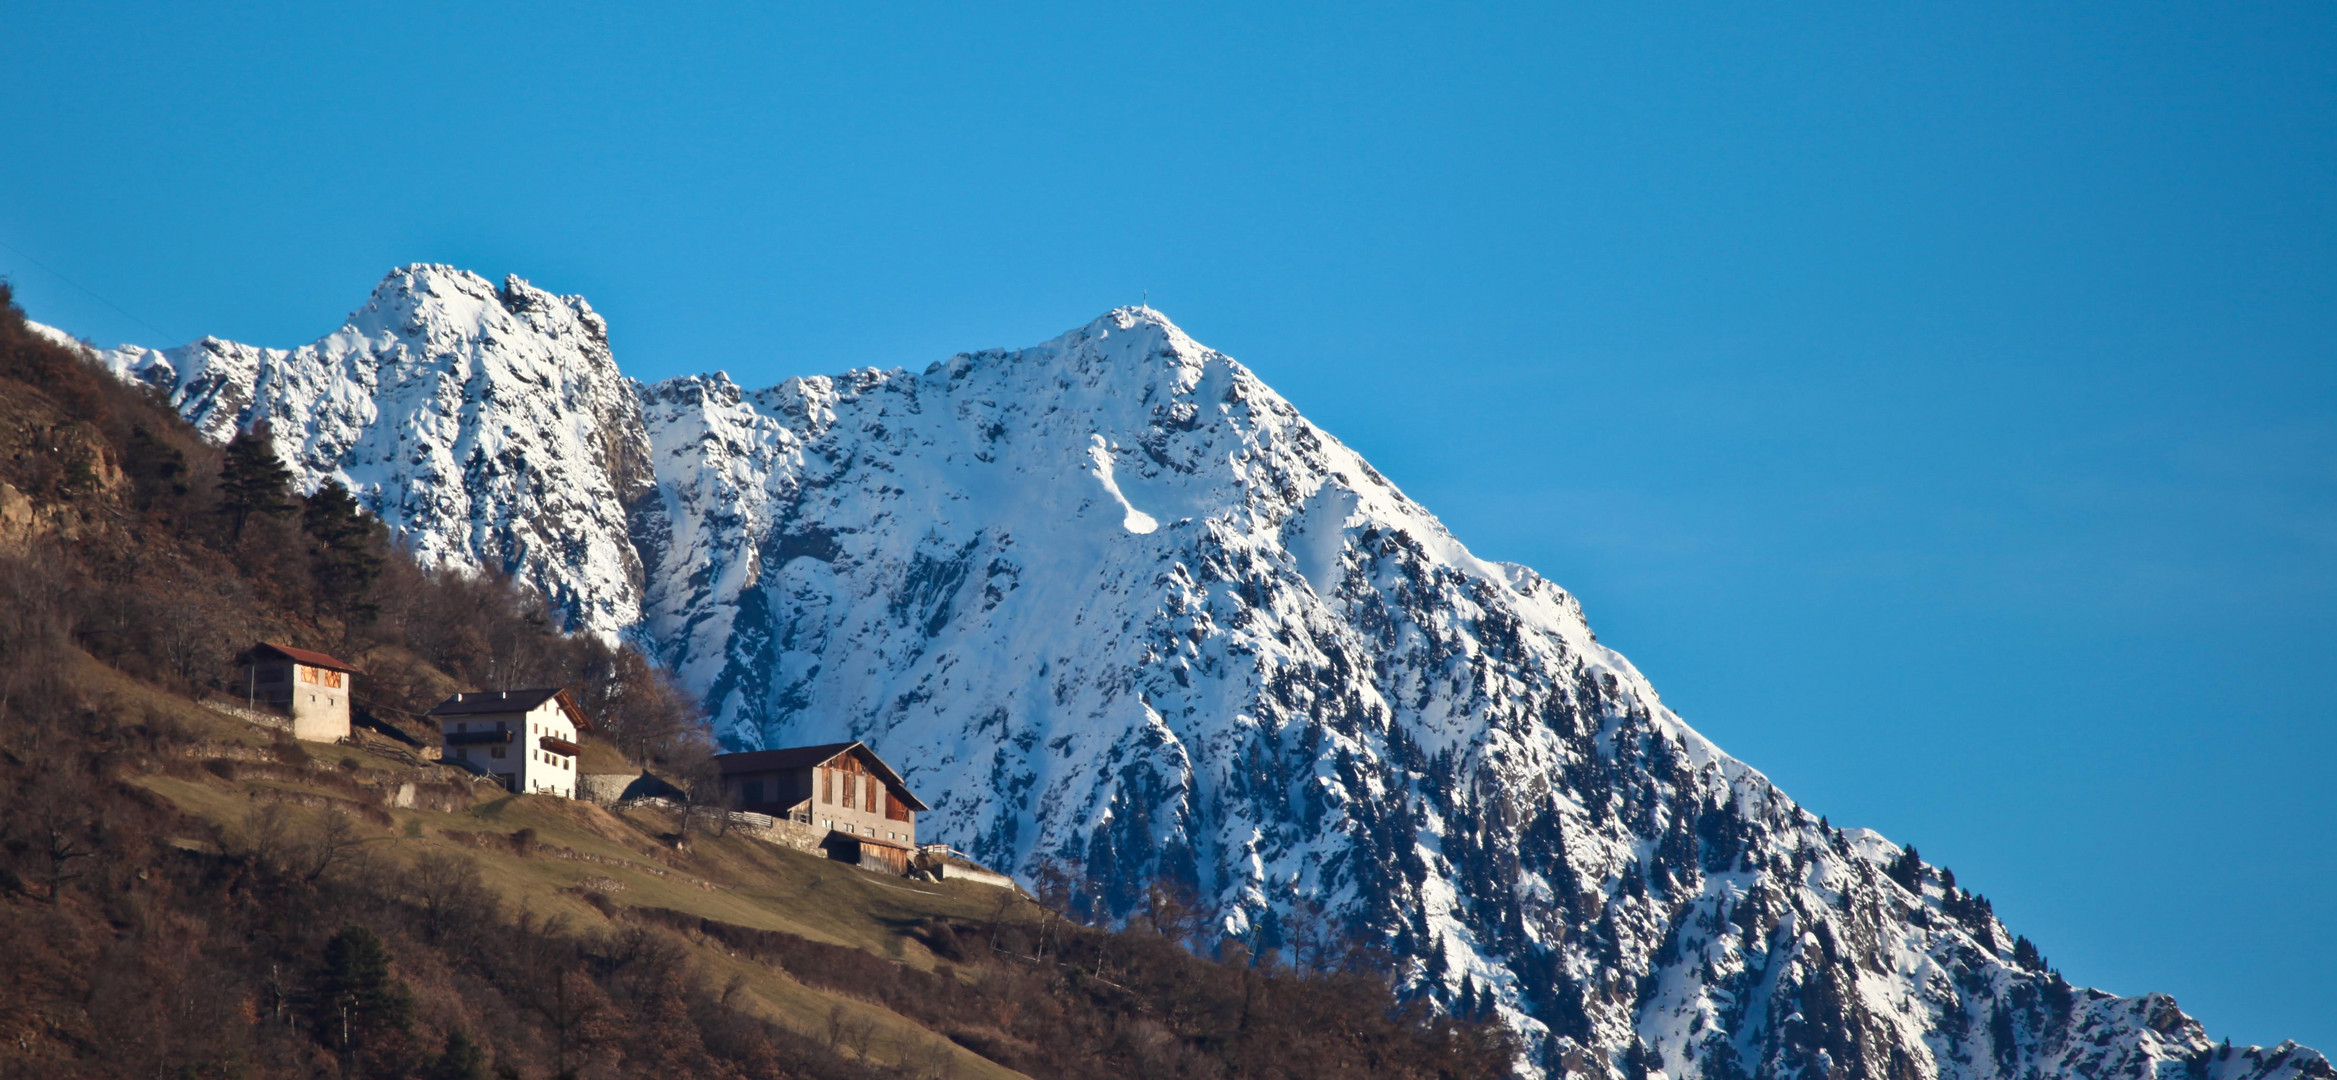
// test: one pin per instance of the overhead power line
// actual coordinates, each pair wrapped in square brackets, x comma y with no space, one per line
[176,340]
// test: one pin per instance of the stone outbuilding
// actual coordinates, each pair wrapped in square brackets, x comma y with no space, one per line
[525,738]
[865,809]
[311,687]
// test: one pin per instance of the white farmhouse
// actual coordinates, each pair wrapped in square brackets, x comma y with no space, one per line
[525,738]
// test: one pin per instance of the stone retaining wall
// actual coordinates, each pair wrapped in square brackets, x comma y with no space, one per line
[780,831]
[277,721]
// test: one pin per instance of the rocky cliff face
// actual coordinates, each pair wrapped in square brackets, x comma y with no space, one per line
[1111,601]
[489,426]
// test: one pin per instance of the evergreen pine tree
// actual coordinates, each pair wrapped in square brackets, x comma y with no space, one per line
[1640,1060]
[462,1059]
[356,999]
[2025,955]
[252,480]
[1907,870]
[347,559]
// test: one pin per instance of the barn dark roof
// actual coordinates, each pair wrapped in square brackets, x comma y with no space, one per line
[478,702]
[804,757]
[299,656]
[792,757]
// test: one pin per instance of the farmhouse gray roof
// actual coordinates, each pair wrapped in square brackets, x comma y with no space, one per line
[489,702]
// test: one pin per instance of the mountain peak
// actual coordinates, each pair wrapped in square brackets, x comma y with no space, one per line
[1139,319]
[432,280]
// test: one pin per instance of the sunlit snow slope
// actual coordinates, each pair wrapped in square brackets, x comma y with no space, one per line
[489,426]
[1112,601]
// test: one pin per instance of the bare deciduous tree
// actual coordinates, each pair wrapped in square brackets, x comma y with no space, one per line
[327,844]
[35,622]
[191,640]
[266,833]
[64,820]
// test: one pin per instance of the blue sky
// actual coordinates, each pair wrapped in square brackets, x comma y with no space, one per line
[1939,404]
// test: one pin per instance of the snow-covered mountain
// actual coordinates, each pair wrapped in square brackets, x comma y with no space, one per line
[488,426]
[1112,601]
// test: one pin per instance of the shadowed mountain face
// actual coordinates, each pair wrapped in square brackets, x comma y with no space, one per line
[1112,601]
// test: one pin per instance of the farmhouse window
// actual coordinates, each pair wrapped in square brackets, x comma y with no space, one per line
[333,679]
[827,787]
[307,674]
[495,751]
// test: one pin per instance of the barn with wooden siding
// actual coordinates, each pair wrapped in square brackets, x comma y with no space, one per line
[844,788]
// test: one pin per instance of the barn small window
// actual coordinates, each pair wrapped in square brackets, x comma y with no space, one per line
[333,679]
[496,751]
[307,674]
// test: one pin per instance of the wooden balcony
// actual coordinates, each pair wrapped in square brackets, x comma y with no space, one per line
[501,734]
